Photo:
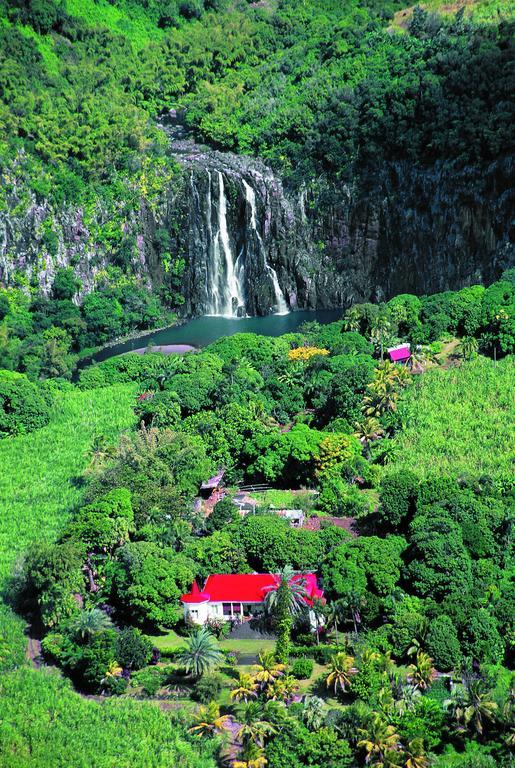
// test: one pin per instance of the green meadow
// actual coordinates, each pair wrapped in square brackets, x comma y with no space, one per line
[457,421]
[40,476]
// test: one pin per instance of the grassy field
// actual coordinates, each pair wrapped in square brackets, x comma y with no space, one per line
[285,499]
[459,420]
[172,641]
[481,11]
[38,481]
[128,20]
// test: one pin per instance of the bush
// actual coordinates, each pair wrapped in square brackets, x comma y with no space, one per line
[323,653]
[22,408]
[442,643]
[397,493]
[150,679]
[208,688]
[219,627]
[302,668]
[115,685]
[133,650]
[307,638]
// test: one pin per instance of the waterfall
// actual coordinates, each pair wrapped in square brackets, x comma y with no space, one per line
[214,265]
[280,301]
[226,276]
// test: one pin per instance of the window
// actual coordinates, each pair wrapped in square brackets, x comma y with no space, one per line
[226,609]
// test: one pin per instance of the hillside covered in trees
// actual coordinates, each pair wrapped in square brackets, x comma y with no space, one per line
[388,125]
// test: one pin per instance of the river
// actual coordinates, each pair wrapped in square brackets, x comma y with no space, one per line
[203,330]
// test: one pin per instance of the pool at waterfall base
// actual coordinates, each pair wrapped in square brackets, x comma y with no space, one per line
[202,331]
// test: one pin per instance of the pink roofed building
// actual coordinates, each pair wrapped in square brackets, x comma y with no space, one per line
[229,596]
[400,354]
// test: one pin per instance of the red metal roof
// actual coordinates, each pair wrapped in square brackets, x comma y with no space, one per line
[400,353]
[245,588]
[195,596]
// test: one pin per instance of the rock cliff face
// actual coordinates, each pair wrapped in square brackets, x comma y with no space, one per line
[251,246]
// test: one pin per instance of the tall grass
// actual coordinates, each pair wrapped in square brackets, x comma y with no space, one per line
[129,20]
[460,421]
[44,724]
[40,472]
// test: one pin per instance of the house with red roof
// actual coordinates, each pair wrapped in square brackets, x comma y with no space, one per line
[240,596]
[400,354]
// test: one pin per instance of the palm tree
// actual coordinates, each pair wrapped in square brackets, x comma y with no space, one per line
[341,670]
[469,346]
[251,756]
[314,712]
[472,706]
[100,452]
[282,689]
[209,721]
[422,673]
[90,622]
[246,689]
[352,319]
[268,669]
[380,742]
[368,431]
[333,615]
[253,727]
[201,654]
[415,755]
[381,330]
[276,712]
[298,595]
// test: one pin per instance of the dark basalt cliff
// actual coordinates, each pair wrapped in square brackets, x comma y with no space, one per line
[251,246]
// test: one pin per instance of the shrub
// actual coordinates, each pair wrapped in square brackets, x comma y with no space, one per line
[115,685]
[133,650]
[219,627]
[302,668]
[442,643]
[397,493]
[208,688]
[150,679]
[323,653]
[22,408]
[307,638]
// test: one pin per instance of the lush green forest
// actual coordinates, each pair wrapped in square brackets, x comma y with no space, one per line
[411,656]
[326,91]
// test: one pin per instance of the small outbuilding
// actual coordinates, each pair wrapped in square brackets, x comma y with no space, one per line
[400,354]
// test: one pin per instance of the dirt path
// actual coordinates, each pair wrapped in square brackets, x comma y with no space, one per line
[33,652]
[448,356]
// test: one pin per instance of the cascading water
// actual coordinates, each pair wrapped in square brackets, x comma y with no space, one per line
[225,276]
[214,264]
[280,301]
[235,226]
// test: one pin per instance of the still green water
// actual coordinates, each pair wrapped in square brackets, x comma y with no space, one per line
[204,330]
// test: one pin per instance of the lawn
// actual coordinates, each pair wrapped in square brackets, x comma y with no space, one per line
[285,499]
[171,641]
[40,478]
